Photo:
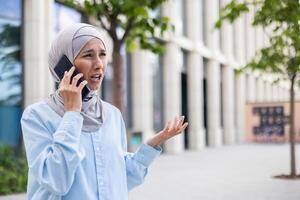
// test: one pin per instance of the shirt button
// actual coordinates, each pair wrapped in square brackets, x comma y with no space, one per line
[98,149]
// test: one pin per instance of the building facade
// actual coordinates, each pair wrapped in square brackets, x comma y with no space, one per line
[195,77]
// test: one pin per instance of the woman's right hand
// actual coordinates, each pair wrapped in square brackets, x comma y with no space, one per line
[70,92]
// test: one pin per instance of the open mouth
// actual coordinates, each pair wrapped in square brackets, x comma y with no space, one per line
[96,77]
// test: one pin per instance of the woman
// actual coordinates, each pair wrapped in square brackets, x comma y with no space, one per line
[76,149]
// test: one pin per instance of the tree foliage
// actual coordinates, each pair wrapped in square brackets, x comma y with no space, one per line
[128,21]
[280,20]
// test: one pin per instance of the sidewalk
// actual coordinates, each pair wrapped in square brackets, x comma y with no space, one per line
[240,172]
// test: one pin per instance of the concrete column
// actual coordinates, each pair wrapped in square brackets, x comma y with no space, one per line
[227,36]
[228,82]
[250,50]
[213,76]
[278,93]
[240,99]
[172,100]
[213,104]
[250,35]
[213,37]
[37,37]
[274,93]
[240,40]
[282,97]
[260,90]
[228,102]
[286,94]
[251,88]
[195,101]
[240,80]
[142,102]
[268,91]
[194,75]
[257,38]
[297,95]
[281,92]
[172,81]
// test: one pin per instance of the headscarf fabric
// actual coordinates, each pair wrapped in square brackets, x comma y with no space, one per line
[69,42]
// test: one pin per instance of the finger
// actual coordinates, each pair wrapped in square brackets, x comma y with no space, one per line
[82,84]
[167,127]
[63,80]
[75,79]
[183,127]
[173,123]
[180,122]
[68,75]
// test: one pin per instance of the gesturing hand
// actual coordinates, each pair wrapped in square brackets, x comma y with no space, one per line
[70,92]
[172,128]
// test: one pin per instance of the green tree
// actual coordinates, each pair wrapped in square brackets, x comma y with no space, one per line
[282,55]
[129,22]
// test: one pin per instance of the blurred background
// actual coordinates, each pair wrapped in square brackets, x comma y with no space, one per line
[197,76]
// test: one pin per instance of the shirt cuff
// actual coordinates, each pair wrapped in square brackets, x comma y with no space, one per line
[146,154]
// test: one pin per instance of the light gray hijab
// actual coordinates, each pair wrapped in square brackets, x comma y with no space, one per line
[69,42]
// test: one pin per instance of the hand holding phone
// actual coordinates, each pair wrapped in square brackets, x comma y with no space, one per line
[63,65]
[71,87]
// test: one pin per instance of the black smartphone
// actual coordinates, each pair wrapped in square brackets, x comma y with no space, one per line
[64,64]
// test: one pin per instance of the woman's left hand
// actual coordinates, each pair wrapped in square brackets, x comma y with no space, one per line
[172,128]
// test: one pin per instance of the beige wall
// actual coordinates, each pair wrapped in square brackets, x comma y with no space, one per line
[252,120]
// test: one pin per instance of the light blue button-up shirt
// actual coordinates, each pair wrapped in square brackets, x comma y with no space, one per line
[67,163]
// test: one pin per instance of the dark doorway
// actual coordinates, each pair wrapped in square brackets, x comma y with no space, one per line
[205,100]
[184,106]
[205,110]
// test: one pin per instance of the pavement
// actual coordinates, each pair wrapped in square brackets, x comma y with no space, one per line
[238,172]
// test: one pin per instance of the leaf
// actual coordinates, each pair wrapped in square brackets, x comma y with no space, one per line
[231,12]
[141,11]
[131,45]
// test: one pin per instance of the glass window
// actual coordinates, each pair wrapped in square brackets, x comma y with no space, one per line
[11,9]
[10,72]
[64,16]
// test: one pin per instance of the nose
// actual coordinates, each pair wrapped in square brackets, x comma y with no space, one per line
[99,64]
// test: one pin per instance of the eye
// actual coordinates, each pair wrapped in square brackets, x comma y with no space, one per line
[87,55]
[102,54]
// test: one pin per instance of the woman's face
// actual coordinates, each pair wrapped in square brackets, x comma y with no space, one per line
[91,62]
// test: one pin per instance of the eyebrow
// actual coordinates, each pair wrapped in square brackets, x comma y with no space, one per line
[91,50]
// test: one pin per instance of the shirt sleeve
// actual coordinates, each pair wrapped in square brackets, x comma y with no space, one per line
[137,163]
[53,157]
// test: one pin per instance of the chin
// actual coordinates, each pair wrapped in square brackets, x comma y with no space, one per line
[94,87]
